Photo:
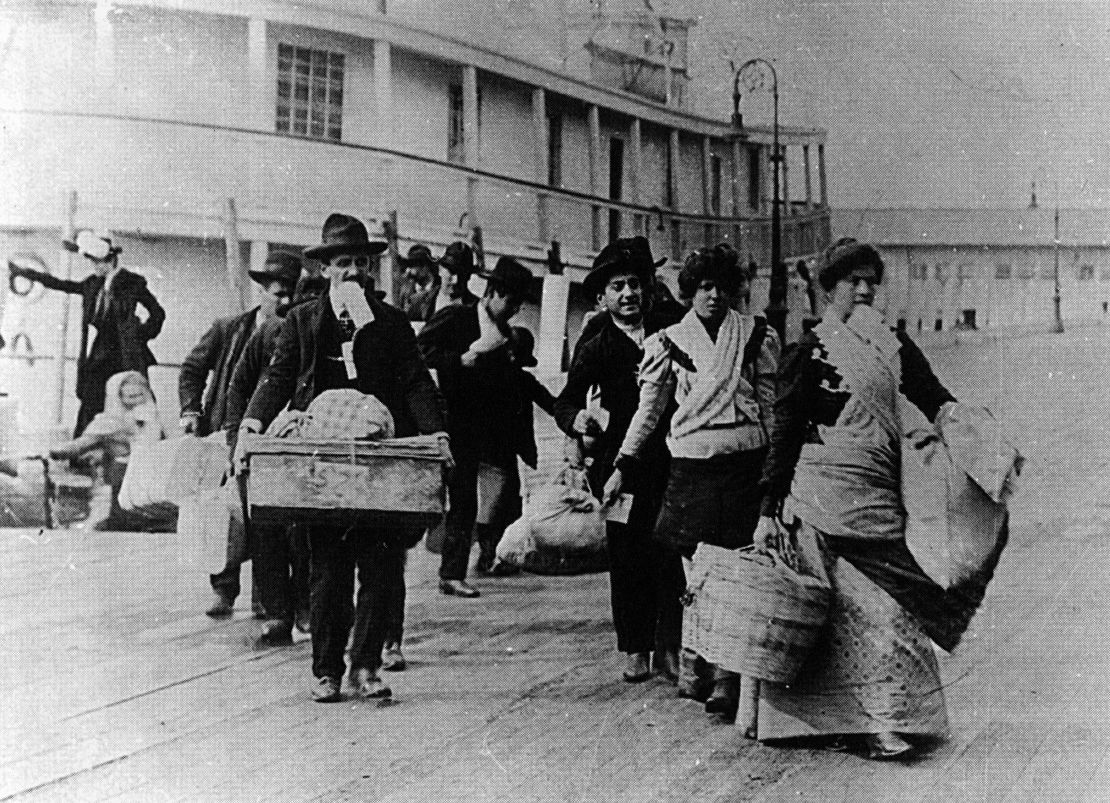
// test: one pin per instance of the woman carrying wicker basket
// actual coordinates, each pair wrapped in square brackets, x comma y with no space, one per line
[833,470]
[717,368]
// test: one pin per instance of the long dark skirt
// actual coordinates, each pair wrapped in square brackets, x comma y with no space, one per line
[712,501]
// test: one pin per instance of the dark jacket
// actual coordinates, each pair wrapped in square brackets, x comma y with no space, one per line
[248,371]
[121,338]
[484,402]
[532,392]
[217,354]
[387,362]
[607,357]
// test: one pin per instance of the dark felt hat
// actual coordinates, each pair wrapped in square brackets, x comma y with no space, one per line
[418,255]
[523,344]
[511,277]
[458,258]
[632,254]
[344,234]
[285,266]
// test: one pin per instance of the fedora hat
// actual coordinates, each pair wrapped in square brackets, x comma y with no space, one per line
[458,258]
[92,244]
[285,266]
[418,255]
[631,254]
[523,344]
[511,277]
[344,234]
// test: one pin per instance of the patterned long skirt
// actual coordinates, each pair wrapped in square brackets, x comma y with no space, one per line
[872,670]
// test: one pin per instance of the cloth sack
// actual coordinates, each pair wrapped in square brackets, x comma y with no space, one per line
[956,478]
[164,472]
[345,413]
[202,525]
[561,531]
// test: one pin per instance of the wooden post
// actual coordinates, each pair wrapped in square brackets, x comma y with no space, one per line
[66,263]
[809,178]
[823,187]
[390,266]
[540,132]
[594,151]
[235,272]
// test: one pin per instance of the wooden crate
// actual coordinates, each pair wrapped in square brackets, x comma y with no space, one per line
[349,482]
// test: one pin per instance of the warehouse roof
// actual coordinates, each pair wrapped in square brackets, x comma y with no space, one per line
[975,227]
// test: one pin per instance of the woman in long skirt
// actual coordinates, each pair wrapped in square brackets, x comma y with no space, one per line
[717,369]
[834,471]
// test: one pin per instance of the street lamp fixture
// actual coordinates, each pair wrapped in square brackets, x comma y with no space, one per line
[757,75]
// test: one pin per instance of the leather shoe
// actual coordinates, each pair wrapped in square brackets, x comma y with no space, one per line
[274,633]
[666,664]
[222,606]
[369,686]
[393,660]
[303,620]
[725,699]
[637,667]
[502,569]
[458,588]
[888,746]
[327,690]
[485,561]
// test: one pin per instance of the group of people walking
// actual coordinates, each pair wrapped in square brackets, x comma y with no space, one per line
[724,438]
[719,435]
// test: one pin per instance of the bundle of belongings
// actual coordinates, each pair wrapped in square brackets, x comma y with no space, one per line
[561,532]
[339,414]
[956,479]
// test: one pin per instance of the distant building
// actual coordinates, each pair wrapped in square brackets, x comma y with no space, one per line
[986,268]
[205,134]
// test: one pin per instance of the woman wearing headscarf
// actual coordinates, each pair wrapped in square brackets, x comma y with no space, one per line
[717,367]
[130,417]
[834,472]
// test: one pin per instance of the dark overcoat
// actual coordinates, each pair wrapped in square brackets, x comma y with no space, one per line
[386,359]
[217,353]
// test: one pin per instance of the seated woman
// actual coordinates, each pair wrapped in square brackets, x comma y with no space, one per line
[130,417]
[833,472]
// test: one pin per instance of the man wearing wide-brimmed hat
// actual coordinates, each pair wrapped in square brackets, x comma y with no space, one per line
[646,580]
[420,286]
[469,348]
[349,338]
[456,266]
[212,361]
[108,301]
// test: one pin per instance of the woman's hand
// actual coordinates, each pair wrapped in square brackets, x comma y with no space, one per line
[769,534]
[445,455]
[613,488]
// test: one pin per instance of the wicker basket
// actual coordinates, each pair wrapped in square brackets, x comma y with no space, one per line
[750,612]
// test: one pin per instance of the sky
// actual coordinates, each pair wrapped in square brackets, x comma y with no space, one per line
[933,103]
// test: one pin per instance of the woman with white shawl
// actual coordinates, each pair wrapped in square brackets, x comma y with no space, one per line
[833,472]
[130,417]
[717,368]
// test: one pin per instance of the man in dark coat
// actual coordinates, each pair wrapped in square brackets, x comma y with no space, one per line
[456,266]
[348,338]
[219,350]
[646,579]
[469,348]
[279,554]
[420,285]
[108,301]
[216,356]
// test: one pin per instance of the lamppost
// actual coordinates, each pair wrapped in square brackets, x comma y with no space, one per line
[1059,324]
[756,74]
